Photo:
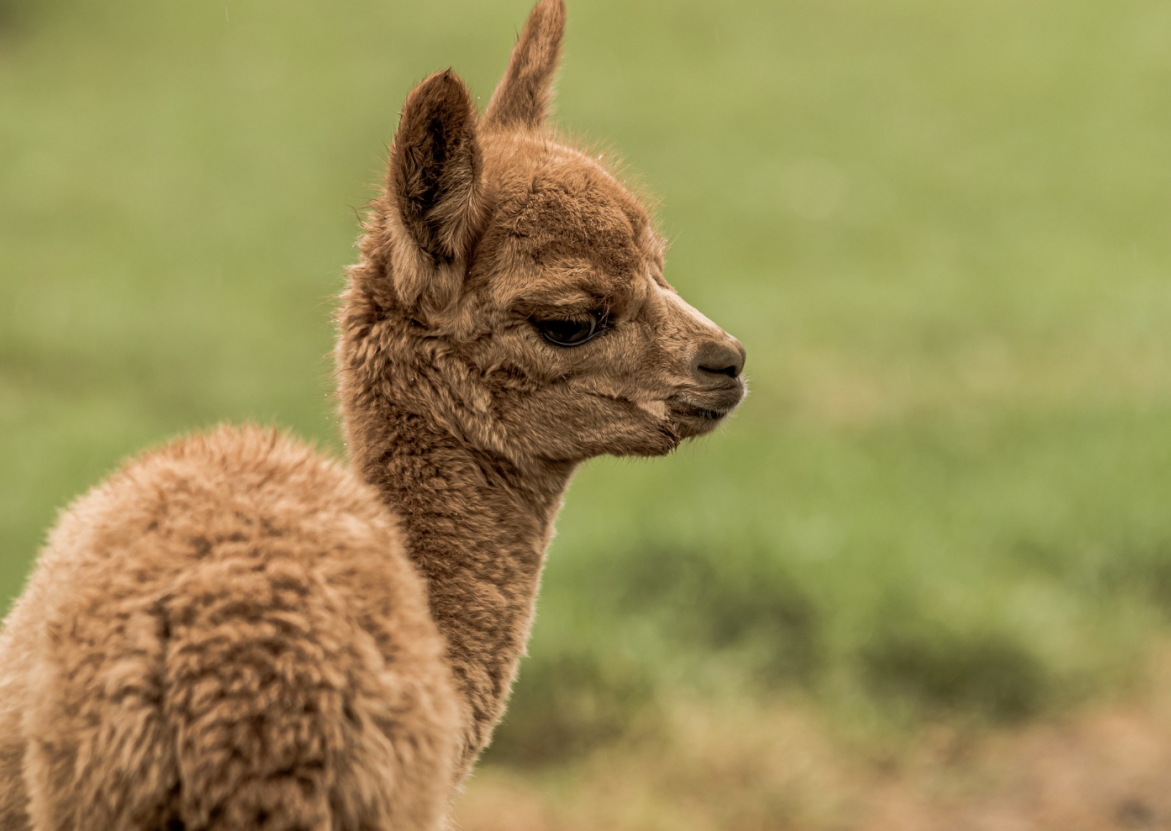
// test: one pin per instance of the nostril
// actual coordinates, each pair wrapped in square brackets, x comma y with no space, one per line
[720,359]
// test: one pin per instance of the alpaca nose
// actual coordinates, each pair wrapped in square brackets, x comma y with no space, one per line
[715,358]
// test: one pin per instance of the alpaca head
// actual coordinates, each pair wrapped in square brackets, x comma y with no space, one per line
[512,289]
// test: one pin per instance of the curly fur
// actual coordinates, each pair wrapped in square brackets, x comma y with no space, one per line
[235,632]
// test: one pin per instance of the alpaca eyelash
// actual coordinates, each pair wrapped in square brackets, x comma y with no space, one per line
[572,330]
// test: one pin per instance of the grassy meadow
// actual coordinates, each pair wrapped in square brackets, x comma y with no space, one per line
[942,231]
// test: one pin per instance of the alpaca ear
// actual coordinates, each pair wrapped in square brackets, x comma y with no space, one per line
[522,99]
[433,183]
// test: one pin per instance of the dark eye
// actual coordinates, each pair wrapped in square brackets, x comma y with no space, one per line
[572,331]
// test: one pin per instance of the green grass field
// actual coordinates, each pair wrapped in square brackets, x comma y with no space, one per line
[940,229]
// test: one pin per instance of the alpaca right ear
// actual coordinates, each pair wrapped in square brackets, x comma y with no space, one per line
[433,182]
[522,98]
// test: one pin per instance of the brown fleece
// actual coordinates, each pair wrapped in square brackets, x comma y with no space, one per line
[234,632]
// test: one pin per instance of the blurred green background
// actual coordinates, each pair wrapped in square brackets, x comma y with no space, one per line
[942,231]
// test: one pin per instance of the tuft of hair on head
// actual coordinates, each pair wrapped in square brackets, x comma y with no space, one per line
[521,101]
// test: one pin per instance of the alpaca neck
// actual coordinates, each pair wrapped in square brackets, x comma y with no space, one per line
[477,528]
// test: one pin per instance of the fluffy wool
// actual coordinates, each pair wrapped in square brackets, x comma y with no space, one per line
[235,632]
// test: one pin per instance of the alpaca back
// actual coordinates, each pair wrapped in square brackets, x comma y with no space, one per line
[225,634]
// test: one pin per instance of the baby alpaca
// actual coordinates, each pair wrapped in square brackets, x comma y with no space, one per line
[236,633]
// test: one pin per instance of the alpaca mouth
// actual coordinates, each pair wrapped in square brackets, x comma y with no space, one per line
[705,414]
[693,418]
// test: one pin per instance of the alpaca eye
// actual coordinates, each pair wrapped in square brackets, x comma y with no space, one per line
[572,331]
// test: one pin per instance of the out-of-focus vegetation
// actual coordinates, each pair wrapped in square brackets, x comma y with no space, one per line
[942,230]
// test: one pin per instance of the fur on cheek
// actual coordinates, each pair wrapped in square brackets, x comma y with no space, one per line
[655,409]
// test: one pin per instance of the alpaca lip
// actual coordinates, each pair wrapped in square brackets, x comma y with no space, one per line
[709,407]
[692,420]
[708,415]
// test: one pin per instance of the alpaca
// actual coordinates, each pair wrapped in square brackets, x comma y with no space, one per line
[234,632]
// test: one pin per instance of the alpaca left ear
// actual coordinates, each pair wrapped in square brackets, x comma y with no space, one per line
[522,98]
[433,182]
